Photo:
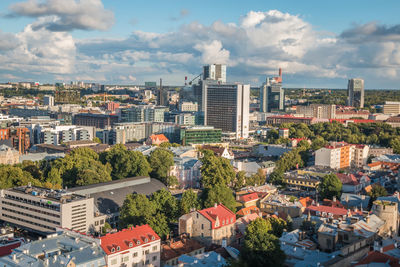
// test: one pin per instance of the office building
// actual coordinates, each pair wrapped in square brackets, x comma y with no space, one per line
[135,246]
[185,119]
[215,72]
[319,111]
[272,95]
[162,96]
[200,135]
[100,121]
[19,137]
[62,134]
[226,107]
[143,114]
[355,93]
[64,248]
[44,210]
[48,100]
[391,108]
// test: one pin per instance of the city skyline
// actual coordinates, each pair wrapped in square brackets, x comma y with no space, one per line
[130,43]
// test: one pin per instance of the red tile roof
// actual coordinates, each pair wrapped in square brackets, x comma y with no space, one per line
[248,210]
[128,238]
[378,257]
[349,179]
[327,209]
[221,213]
[248,197]
[306,201]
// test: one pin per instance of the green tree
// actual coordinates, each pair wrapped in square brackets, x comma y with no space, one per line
[330,187]
[377,191]
[97,140]
[137,209]
[80,167]
[257,178]
[11,176]
[240,180]
[276,177]
[165,204]
[219,194]
[278,226]
[261,248]
[395,144]
[216,170]
[125,163]
[159,224]
[161,161]
[188,201]
[106,228]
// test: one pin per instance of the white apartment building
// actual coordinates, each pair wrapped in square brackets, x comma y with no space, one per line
[186,106]
[317,111]
[339,155]
[44,210]
[391,108]
[134,247]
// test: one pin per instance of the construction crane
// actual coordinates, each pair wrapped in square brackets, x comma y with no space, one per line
[198,76]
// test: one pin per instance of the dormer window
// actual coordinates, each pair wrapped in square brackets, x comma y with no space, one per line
[118,248]
[138,242]
[146,240]
[153,238]
[231,220]
[130,244]
[223,222]
[112,250]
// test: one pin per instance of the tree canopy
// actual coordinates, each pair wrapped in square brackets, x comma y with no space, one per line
[261,248]
[188,201]
[161,161]
[216,170]
[219,194]
[330,186]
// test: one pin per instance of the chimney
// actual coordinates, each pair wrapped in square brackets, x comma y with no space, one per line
[334,199]
[280,72]
[215,205]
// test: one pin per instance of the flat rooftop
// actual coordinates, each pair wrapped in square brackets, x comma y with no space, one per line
[60,195]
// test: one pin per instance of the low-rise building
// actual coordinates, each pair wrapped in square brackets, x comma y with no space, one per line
[249,200]
[156,139]
[281,204]
[173,249]
[353,183]
[8,155]
[44,210]
[215,225]
[187,171]
[135,246]
[65,248]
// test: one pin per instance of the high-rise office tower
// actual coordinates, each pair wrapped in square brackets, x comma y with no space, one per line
[215,72]
[355,93]
[226,107]
[272,96]
[162,96]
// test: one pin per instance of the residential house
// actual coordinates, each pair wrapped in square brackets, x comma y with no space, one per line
[187,171]
[353,183]
[248,210]
[277,204]
[248,200]
[135,246]
[173,249]
[223,152]
[213,225]
[156,139]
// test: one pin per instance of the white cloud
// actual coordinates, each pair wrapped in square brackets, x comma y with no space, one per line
[66,15]
[213,52]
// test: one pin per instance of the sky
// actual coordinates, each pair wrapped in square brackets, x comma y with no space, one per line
[317,43]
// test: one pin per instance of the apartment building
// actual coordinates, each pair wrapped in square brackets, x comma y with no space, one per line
[215,225]
[317,111]
[136,246]
[43,210]
[391,108]
[340,155]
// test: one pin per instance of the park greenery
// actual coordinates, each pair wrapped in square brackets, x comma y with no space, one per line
[330,187]
[380,134]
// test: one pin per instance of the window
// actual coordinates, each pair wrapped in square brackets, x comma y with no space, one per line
[113,261]
[155,248]
[118,248]
[125,259]
[113,250]
[202,235]
[202,226]
[154,258]
[147,262]
[130,244]
[96,223]
[146,252]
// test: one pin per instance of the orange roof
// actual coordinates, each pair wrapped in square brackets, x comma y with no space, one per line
[128,238]
[221,213]
[248,197]
[248,210]
[160,137]
[368,188]
[375,164]
[378,257]
[306,201]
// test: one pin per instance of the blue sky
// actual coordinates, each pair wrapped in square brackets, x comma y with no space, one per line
[317,43]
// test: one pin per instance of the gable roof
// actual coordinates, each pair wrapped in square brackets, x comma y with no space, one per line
[128,238]
[378,257]
[159,137]
[349,179]
[221,213]
[248,210]
[248,197]
[306,201]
